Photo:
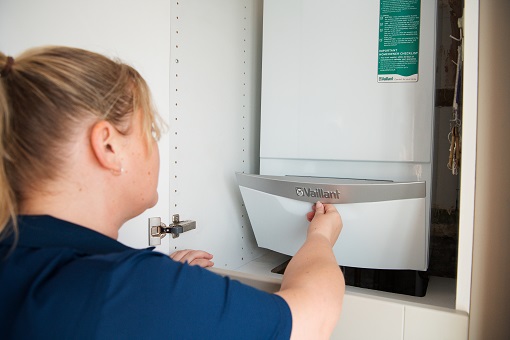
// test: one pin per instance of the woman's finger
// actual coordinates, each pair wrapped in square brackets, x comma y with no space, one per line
[204,263]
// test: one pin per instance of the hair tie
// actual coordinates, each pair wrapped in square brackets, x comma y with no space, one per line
[7,67]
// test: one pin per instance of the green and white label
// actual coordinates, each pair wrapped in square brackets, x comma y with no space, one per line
[399,41]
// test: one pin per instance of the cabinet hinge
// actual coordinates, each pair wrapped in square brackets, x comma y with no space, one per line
[158,230]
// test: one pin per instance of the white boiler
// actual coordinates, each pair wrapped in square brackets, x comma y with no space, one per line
[347,109]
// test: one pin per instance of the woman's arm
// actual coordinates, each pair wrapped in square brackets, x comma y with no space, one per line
[313,284]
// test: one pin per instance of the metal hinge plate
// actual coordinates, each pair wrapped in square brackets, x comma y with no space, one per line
[158,230]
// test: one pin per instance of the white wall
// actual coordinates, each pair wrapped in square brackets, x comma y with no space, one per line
[135,31]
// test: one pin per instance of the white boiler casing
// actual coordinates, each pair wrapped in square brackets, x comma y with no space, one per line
[385,221]
[326,114]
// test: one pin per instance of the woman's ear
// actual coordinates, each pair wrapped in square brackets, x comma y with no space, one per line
[105,143]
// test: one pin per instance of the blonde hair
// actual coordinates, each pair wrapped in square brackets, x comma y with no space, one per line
[46,94]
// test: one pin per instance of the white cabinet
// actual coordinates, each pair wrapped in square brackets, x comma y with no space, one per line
[369,318]
[366,318]
[368,314]
[438,324]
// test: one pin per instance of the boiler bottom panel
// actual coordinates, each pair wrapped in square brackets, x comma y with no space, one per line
[388,234]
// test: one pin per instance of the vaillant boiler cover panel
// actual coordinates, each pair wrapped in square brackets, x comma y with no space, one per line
[372,236]
[384,222]
[320,85]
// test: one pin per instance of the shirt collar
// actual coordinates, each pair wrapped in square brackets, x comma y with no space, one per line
[43,231]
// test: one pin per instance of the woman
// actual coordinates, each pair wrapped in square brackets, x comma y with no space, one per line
[79,157]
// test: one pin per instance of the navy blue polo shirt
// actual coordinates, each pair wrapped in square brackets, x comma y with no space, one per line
[64,281]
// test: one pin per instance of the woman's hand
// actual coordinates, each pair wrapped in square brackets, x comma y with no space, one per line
[325,220]
[193,257]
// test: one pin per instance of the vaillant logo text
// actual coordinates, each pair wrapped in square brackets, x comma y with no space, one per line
[319,193]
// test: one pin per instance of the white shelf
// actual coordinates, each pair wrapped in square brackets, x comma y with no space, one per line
[440,292]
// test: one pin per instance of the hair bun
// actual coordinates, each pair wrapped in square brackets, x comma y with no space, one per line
[7,67]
